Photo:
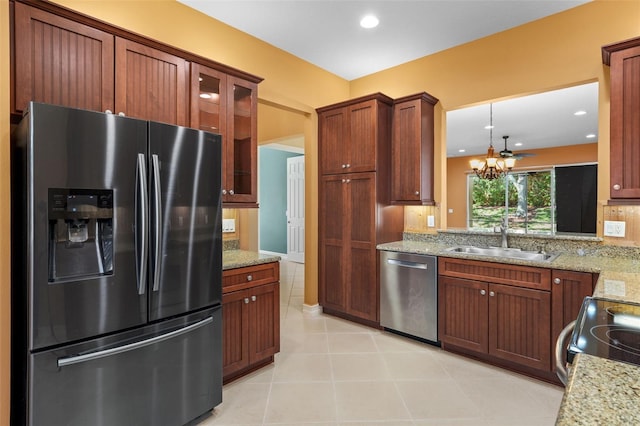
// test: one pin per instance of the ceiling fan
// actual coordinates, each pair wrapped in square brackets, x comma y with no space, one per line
[507,153]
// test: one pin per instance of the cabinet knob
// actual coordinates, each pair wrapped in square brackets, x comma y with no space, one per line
[249,277]
[122,114]
[616,187]
[344,181]
[246,300]
[253,298]
[491,293]
[348,180]
[417,192]
[224,192]
[108,111]
[557,281]
[231,192]
[344,166]
[348,165]
[483,292]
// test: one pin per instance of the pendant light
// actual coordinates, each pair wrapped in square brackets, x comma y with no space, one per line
[491,167]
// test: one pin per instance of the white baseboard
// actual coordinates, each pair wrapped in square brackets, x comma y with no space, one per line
[311,309]
[283,256]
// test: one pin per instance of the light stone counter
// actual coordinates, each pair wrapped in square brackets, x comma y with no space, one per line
[232,259]
[599,391]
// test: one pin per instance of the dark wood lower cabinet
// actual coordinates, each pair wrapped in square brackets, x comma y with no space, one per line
[497,312]
[251,319]
[509,315]
[508,323]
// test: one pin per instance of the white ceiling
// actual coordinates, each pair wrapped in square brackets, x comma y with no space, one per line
[537,121]
[327,33]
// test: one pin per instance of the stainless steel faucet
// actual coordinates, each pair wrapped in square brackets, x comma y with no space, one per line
[504,226]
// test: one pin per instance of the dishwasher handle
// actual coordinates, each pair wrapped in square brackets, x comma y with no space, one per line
[407,264]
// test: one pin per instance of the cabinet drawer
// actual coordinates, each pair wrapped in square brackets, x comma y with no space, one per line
[250,276]
[515,275]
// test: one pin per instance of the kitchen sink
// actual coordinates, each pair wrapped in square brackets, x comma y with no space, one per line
[511,253]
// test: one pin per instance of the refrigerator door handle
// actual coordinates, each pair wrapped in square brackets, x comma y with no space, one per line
[142,219]
[157,212]
[63,362]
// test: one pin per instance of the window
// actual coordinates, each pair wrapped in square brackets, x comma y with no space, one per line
[560,199]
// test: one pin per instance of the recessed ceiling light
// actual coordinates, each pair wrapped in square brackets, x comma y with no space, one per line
[591,136]
[518,144]
[581,112]
[488,126]
[369,21]
[462,150]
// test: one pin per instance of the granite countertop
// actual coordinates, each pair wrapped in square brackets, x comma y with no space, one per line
[232,259]
[599,391]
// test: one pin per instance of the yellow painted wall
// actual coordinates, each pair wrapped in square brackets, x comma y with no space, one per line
[547,54]
[458,169]
[558,51]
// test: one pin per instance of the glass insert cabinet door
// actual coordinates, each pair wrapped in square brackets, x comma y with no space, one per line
[227,105]
[242,137]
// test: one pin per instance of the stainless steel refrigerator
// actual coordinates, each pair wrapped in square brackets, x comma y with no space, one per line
[117,269]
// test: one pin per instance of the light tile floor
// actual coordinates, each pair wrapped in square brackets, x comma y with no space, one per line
[335,372]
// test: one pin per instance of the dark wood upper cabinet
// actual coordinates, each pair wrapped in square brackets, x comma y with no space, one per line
[61,57]
[240,183]
[151,84]
[355,134]
[412,150]
[624,61]
[61,62]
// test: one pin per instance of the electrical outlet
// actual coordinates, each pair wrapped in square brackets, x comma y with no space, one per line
[228,225]
[431,221]
[614,228]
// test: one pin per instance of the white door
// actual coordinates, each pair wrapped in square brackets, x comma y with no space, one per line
[295,209]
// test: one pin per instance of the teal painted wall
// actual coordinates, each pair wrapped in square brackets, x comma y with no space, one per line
[272,195]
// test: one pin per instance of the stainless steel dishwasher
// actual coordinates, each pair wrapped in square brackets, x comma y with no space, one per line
[409,294]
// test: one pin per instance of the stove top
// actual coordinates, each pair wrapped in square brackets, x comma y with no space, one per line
[607,329]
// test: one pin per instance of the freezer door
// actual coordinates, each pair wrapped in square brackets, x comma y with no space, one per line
[78,284]
[186,225]
[164,374]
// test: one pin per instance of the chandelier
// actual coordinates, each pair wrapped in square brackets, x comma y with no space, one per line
[492,167]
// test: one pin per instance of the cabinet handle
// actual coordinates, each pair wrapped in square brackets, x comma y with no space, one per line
[616,187]
[231,192]
[249,277]
[246,300]
[224,192]
[483,292]
[557,281]
[491,293]
[253,298]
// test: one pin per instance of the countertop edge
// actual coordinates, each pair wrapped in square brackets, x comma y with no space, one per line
[232,259]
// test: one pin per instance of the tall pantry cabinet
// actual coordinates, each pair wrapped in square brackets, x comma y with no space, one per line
[355,213]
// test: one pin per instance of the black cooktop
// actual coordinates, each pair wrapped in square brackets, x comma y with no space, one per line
[607,329]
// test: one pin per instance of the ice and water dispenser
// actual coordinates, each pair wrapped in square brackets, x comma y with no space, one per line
[80,233]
